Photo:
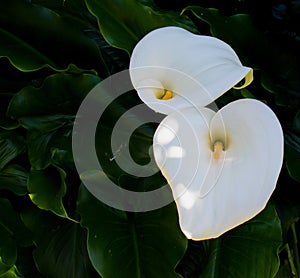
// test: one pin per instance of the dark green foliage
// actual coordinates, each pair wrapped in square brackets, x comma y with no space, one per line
[52,53]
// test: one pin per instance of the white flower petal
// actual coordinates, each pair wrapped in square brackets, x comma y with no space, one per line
[216,195]
[190,135]
[197,69]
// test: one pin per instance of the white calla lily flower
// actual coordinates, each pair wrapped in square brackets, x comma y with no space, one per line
[172,68]
[222,166]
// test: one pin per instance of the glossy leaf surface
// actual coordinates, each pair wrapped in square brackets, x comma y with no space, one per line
[256,243]
[42,46]
[60,245]
[124,244]
[124,23]
[47,188]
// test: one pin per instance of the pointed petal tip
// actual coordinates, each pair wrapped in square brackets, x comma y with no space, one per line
[248,79]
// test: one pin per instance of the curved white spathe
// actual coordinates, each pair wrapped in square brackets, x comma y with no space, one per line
[214,194]
[197,69]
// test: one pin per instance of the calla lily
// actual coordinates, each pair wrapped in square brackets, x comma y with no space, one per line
[222,166]
[172,68]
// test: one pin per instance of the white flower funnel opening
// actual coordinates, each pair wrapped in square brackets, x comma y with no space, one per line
[195,69]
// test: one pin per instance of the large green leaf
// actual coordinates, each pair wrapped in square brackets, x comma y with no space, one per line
[250,250]
[121,244]
[12,144]
[25,262]
[59,94]
[12,81]
[48,113]
[292,154]
[60,246]
[14,178]
[47,136]
[237,30]
[296,122]
[286,88]
[4,268]
[292,148]
[124,23]
[76,9]
[47,188]
[13,233]
[33,37]
[9,272]
[115,59]
[285,272]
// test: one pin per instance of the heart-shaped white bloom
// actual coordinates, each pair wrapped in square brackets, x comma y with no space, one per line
[222,167]
[172,68]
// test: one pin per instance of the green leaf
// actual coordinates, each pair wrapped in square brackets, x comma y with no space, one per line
[237,30]
[60,246]
[47,188]
[121,244]
[10,273]
[250,250]
[46,123]
[76,9]
[13,233]
[296,122]
[124,23]
[3,267]
[42,46]
[292,154]
[11,145]
[60,94]
[115,59]
[14,178]
[285,94]
[63,157]
[46,136]
[22,55]
[25,262]
[140,152]
[55,134]
[285,272]
[48,113]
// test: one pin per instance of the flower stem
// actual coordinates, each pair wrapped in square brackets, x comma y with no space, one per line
[295,247]
[291,260]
